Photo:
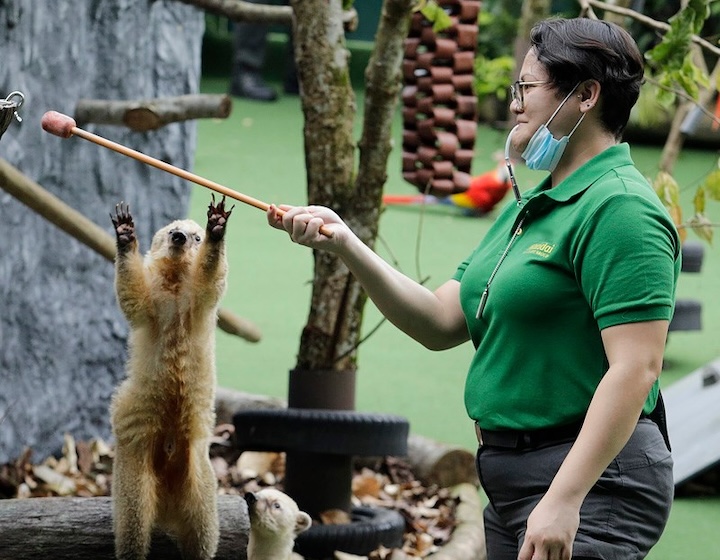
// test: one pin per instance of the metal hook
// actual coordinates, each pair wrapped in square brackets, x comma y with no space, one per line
[9,109]
[18,104]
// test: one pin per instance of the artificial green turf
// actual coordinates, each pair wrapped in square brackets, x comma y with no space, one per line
[258,151]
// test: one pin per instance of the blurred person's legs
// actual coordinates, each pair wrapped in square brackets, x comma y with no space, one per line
[290,84]
[249,47]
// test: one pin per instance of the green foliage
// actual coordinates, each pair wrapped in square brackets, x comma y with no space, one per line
[669,192]
[493,76]
[497,27]
[434,13]
[671,60]
[708,190]
[648,113]
[667,188]
[711,185]
[495,63]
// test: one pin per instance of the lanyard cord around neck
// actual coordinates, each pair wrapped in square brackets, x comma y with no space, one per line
[486,291]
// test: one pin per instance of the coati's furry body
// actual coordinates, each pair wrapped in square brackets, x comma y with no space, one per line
[275,521]
[163,414]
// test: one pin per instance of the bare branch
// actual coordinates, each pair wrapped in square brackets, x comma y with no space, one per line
[383,84]
[586,10]
[149,114]
[239,10]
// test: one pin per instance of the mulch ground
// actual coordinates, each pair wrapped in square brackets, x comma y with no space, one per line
[85,470]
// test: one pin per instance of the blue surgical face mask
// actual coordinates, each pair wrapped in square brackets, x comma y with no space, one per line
[543,151]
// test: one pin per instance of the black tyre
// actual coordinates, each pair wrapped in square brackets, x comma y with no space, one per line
[692,256]
[370,528]
[687,316]
[333,432]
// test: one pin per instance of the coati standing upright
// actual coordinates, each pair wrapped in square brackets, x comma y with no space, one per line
[163,414]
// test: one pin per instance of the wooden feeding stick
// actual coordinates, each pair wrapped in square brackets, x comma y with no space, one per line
[90,234]
[65,127]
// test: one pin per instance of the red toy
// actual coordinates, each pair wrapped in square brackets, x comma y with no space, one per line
[481,196]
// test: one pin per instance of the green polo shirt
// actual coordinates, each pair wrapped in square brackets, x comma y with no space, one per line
[597,250]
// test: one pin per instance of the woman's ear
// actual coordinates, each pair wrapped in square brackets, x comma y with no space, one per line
[589,94]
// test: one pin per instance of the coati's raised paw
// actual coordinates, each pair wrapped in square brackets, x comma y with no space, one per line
[124,225]
[217,219]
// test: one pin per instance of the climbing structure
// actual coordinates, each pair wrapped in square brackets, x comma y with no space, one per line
[439,103]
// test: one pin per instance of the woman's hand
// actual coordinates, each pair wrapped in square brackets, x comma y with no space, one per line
[550,531]
[303,224]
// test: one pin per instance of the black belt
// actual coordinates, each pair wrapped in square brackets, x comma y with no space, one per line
[527,439]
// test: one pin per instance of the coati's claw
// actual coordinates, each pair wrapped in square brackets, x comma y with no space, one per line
[124,225]
[217,219]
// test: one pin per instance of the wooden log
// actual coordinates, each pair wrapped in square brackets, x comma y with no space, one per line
[468,539]
[233,324]
[438,463]
[229,401]
[151,114]
[71,528]
[87,232]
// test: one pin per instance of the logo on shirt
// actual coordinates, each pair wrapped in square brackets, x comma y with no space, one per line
[541,249]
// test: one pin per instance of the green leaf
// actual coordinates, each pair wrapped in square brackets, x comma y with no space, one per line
[666,98]
[699,201]
[667,189]
[711,185]
[429,10]
[434,13]
[442,21]
[702,227]
[671,58]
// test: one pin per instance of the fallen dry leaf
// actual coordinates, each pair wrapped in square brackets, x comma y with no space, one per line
[85,469]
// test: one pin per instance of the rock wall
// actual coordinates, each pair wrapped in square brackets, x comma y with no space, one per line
[62,336]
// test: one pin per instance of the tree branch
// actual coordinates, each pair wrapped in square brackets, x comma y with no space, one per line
[383,84]
[149,114]
[685,96]
[650,22]
[239,10]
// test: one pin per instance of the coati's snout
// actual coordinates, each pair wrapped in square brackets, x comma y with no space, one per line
[178,238]
[251,499]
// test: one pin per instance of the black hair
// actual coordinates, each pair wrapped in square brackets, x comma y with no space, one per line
[575,50]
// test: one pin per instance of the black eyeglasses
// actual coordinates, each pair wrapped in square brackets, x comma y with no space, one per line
[517,91]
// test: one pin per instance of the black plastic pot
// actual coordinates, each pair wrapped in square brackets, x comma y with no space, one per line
[320,434]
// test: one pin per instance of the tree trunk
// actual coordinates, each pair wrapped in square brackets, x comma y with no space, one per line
[332,331]
[62,336]
[329,106]
[71,528]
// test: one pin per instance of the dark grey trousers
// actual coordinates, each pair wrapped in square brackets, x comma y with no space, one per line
[622,517]
[249,43]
